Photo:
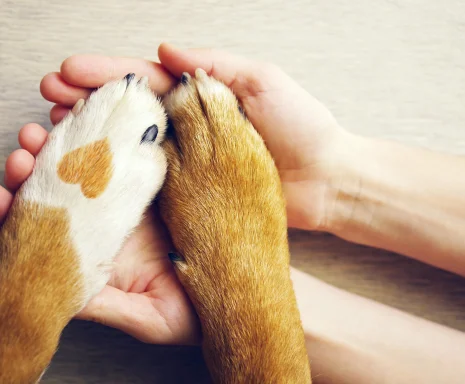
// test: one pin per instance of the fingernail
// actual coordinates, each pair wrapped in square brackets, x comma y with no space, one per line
[172,46]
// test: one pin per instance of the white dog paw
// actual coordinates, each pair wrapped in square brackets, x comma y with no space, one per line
[102,165]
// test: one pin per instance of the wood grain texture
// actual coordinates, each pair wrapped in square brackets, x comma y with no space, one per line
[389,68]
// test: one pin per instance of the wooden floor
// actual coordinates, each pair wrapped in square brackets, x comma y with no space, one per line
[388,68]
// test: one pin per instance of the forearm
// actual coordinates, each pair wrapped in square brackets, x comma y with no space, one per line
[354,340]
[407,200]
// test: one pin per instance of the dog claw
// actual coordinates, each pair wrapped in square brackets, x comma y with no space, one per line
[129,77]
[78,106]
[199,73]
[185,78]
[174,257]
[143,81]
[150,134]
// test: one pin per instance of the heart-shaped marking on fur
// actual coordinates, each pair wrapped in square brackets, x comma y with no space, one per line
[89,166]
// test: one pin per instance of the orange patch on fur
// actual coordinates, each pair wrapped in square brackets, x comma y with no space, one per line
[89,166]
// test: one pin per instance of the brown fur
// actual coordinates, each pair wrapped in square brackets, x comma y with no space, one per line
[35,254]
[224,207]
[89,166]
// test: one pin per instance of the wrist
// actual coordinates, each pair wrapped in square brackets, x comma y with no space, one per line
[363,179]
[406,200]
[344,183]
[324,199]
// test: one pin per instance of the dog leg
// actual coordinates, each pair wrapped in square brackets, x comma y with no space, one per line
[225,210]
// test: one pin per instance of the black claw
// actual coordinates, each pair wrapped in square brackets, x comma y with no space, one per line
[184,78]
[241,111]
[174,257]
[169,128]
[129,77]
[150,134]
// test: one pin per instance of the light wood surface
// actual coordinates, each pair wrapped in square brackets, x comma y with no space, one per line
[388,68]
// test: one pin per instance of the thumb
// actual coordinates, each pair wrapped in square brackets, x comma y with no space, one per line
[107,308]
[113,307]
[245,77]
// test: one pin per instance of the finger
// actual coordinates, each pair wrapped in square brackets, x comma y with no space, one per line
[18,167]
[243,76]
[221,65]
[131,313]
[6,198]
[109,307]
[92,71]
[55,89]
[57,113]
[32,138]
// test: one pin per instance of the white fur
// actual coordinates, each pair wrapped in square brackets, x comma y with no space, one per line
[99,226]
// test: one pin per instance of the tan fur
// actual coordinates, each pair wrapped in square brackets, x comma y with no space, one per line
[35,255]
[89,166]
[225,210]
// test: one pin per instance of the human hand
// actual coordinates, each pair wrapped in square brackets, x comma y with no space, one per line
[301,134]
[143,297]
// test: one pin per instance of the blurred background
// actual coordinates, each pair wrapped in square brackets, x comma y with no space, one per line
[386,68]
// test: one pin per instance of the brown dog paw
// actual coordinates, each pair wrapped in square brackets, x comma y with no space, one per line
[223,204]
